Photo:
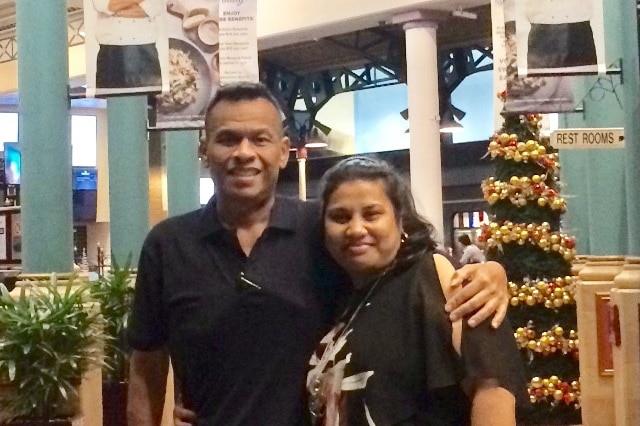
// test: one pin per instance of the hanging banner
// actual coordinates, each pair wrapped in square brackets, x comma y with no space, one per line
[193,64]
[536,94]
[126,47]
[238,41]
[560,37]
[499,58]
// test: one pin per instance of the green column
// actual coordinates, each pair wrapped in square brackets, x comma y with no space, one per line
[183,171]
[598,182]
[47,222]
[629,27]
[128,151]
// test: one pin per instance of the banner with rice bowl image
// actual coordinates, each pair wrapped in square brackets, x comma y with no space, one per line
[193,65]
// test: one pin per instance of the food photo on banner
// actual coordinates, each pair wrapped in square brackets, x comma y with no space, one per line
[560,37]
[193,65]
[537,94]
[126,47]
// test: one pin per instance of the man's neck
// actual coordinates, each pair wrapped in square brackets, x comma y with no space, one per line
[249,220]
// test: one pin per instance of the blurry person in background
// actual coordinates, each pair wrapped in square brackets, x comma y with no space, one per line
[471,253]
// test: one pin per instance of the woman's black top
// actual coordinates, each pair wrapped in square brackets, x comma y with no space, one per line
[393,362]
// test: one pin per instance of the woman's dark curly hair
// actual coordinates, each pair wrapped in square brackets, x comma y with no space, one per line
[419,231]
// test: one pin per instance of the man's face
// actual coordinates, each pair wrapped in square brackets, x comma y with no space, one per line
[245,149]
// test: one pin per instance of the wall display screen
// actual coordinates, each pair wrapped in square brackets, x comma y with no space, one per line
[13,164]
[85,178]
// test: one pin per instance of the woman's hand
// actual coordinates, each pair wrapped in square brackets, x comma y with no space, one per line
[484,293]
[183,416]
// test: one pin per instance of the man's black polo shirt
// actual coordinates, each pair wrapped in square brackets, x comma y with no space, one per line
[240,329]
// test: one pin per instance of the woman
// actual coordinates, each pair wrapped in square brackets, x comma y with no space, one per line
[393,357]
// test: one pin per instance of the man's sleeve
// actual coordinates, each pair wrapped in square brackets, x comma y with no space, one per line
[147,327]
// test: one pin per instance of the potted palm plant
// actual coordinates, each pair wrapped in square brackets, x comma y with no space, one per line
[114,292]
[49,338]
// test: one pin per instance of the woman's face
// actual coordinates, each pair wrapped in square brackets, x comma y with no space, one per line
[362,232]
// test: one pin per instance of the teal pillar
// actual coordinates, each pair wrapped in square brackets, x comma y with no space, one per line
[128,152]
[631,65]
[183,171]
[597,181]
[44,128]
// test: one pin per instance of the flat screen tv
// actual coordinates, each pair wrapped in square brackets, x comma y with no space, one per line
[12,163]
[85,178]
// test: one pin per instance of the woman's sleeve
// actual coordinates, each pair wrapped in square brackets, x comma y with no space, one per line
[489,353]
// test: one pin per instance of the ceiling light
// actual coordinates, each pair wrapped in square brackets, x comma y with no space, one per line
[317,139]
[316,144]
[448,124]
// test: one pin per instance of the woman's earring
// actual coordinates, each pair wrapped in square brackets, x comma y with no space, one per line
[404,237]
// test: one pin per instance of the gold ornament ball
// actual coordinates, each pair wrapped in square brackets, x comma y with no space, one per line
[558,331]
[542,202]
[558,395]
[531,145]
[536,383]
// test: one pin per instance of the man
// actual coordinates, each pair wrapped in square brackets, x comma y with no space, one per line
[239,292]
[471,253]
[127,31]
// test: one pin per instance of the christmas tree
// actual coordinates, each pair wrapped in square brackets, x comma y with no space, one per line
[524,236]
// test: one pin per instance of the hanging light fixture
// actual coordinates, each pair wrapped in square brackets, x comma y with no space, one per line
[316,139]
[448,123]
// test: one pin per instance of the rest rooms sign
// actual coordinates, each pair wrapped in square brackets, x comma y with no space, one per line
[588,138]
